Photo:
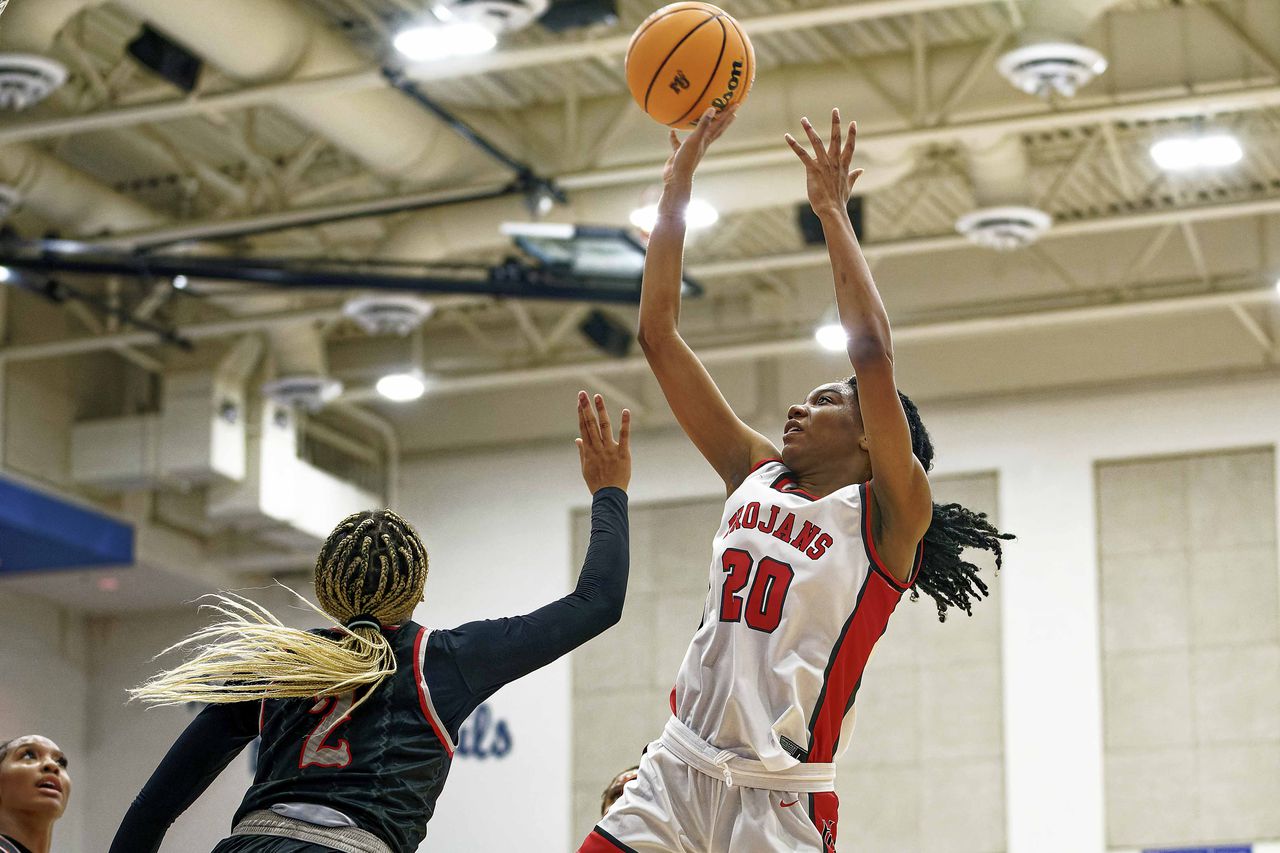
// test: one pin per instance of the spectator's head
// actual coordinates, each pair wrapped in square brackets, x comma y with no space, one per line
[614,788]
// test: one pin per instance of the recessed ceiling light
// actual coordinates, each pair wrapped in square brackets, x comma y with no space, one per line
[699,214]
[1182,153]
[180,281]
[831,336]
[440,41]
[401,387]
[6,274]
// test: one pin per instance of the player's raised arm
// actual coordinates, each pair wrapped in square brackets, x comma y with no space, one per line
[901,487]
[724,440]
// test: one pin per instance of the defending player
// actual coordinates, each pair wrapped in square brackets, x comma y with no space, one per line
[814,550]
[358,723]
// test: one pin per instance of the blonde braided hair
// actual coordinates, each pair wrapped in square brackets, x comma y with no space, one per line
[373,565]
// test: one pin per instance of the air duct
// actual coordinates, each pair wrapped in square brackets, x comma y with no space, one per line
[67,197]
[1051,58]
[27,32]
[262,41]
[1004,219]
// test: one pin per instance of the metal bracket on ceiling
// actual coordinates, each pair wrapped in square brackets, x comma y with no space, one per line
[539,190]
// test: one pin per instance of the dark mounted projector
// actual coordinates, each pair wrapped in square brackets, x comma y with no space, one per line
[156,51]
[811,226]
[569,14]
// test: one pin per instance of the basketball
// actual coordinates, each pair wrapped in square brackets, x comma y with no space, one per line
[686,57]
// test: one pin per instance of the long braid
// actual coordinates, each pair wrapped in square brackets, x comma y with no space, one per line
[945,576]
[372,565]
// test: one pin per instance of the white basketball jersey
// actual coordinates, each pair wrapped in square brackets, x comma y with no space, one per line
[798,596]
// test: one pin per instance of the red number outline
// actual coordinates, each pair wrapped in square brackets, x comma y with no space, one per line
[315,751]
[737,564]
[767,596]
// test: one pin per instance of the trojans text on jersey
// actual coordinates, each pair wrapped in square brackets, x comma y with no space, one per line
[809,539]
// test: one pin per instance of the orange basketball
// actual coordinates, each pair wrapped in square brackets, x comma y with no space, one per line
[686,57]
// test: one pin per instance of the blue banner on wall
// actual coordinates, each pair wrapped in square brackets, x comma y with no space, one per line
[39,532]
[1230,848]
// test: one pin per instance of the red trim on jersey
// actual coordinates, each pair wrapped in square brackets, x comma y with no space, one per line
[673,701]
[600,841]
[786,483]
[423,701]
[756,467]
[874,555]
[824,811]
[870,616]
[262,714]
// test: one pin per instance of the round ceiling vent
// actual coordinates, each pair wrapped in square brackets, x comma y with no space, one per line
[1004,228]
[499,16]
[303,392]
[387,314]
[27,79]
[1047,67]
[10,198]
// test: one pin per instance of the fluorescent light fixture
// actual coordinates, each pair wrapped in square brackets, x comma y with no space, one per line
[6,274]
[545,230]
[401,387]
[1278,285]
[1182,153]
[180,281]
[699,214]
[831,336]
[441,41]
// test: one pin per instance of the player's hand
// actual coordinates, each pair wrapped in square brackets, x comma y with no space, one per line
[686,155]
[605,462]
[827,176]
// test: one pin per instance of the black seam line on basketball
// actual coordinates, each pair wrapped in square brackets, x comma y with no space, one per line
[835,653]
[724,41]
[644,28]
[747,52]
[882,571]
[667,58]
[615,842]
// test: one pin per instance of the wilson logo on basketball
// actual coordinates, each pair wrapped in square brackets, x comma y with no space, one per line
[735,78]
[679,82]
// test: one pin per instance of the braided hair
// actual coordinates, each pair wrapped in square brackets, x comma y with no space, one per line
[945,576]
[370,572]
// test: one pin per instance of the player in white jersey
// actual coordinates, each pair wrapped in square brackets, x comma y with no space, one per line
[814,550]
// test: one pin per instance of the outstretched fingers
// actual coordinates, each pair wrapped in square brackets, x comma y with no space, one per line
[834,149]
[819,152]
[602,415]
[624,434]
[846,153]
[587,428]
[799,149]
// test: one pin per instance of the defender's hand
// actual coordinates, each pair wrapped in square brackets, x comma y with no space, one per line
[605,462]
[827,177]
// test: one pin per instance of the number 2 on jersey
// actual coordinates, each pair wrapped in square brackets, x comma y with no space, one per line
[315,751]
[767,594]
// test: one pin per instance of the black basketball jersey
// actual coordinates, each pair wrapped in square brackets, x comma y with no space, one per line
[10,845]
[382,765]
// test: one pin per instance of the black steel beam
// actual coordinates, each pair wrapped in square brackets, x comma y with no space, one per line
[513,279]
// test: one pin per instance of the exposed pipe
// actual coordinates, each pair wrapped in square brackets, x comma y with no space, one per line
[390,441]
[348,82]
[795,260]
[1059,19]
[256,41]
[883,146]
[30,26]
[806,345]
[69,198]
